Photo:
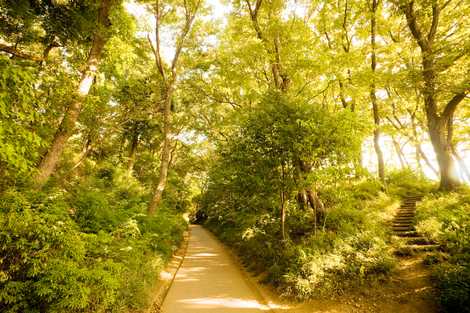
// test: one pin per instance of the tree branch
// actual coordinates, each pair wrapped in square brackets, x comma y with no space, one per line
[184,32]
[254,18]
[435,22]
[156,49]
[20,54]
[452,104]
[413,25]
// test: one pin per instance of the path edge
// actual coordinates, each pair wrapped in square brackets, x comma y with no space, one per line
[250,280]
[168,274]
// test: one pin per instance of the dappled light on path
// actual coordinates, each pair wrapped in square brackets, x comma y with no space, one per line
[225,302]
[210,281]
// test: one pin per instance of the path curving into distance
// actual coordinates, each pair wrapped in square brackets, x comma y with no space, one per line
[209,281]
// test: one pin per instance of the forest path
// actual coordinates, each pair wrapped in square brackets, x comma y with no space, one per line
[209,280]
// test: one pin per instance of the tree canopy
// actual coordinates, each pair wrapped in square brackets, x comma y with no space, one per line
[269,116]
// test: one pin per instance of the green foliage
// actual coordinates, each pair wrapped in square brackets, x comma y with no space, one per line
[351,248]
[453,283]
[18,113]
[63,253]
[406,182]
[445,219]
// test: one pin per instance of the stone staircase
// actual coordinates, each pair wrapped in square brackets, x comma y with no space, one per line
[403,227]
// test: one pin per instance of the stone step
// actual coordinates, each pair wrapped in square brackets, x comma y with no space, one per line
[401,221]
[404,219]
[418,241]
[406,233]
[399,229]
[410,249]
[402,224]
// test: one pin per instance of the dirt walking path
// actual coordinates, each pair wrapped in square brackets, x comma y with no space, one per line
[210,281]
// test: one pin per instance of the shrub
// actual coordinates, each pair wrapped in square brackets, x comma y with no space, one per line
[445,218]
[42,265]
[92,211]
[453,282]
[102,257]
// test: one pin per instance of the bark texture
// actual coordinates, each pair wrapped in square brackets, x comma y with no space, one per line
[49,161]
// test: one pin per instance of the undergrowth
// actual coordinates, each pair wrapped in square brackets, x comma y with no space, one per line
[445,219]
[89,248]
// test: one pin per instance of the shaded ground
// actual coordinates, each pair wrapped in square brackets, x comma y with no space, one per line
[210,280]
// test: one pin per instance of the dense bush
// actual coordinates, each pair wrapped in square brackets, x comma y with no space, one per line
[90,249]
[445,219]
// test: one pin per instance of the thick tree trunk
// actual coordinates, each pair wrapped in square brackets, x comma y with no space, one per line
[165,156]
[442,147]
[49,161]
[373,97]
[316,203]
[439,124]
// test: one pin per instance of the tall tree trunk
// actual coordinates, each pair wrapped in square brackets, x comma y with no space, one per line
[169,78]
[165,156]
[443,153]
[373,97]
[439,124]
[133,151]
[49,161]
[439,127]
